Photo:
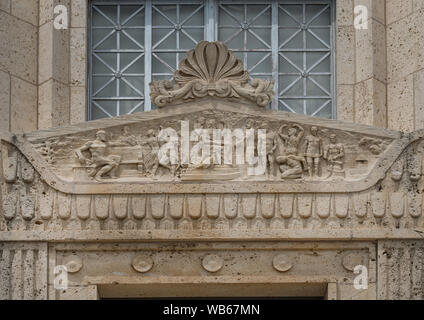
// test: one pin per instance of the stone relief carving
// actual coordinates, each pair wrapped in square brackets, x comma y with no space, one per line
[271,147]
[296,152]
[100,162]
[211,70]
[313,152]
[373,145]
[334,153]
[29,203]
[128,138]
[295,149]
[291,162]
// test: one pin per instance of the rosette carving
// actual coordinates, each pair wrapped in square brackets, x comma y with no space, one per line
[211,70]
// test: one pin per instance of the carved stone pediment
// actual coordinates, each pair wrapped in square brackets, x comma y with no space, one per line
[130,142]
[321,178]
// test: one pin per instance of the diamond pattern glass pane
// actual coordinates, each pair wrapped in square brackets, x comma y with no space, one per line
[246,29]
[117,59]
[176,28]
[305,74]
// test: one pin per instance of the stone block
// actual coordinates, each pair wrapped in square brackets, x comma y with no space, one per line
[53,104]
[78,104]
[344,13]
[78,52]
[53,54]
[345,55]
[26,10]
[23,106]
[370,103]
[4,101]
[400,105]
[419,99]
[18,43]
[78,13]
[403,48]
[398,9]
[5,5]
[371,52]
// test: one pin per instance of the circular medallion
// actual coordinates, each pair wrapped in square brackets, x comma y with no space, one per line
[142,263]
[72,263]
[281,263]
[352,260]
[212,263]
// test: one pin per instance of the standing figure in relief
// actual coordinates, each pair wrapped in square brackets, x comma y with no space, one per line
[150,157]
[313,152]
[291,163]
[334,154]
[202,124]
[271,146]
[102,163]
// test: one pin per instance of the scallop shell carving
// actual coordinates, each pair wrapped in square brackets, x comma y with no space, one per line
[211,62]
[211,70]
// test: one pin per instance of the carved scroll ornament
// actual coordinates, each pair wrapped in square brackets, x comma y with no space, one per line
[211,70]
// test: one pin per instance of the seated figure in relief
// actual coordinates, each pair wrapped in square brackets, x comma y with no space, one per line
[102,164]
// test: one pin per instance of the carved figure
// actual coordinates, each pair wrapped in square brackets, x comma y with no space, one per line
[150,157]
[313,152]
[334,154]
[271,146]
[291,163]
[102,164]
[375,146]
[128,138]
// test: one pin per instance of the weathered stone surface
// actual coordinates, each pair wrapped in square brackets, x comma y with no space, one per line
[78,13]
[346,55]
[26,10]
[397,9]
[23,271]
[4,101]
[53,104]
[401,104]
[400,268]
[23,106]
[78,51]
[18,43]
[95,195]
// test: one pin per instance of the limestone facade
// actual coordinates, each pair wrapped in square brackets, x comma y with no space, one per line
[121,224]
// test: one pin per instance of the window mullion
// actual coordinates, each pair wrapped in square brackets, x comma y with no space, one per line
[333,60]
[118,61]
[274,48]
[147,54]
[210,20]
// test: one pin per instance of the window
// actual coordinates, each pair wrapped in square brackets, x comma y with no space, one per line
[134,42]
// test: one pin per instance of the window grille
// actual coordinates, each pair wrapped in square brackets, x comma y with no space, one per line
[134,42]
